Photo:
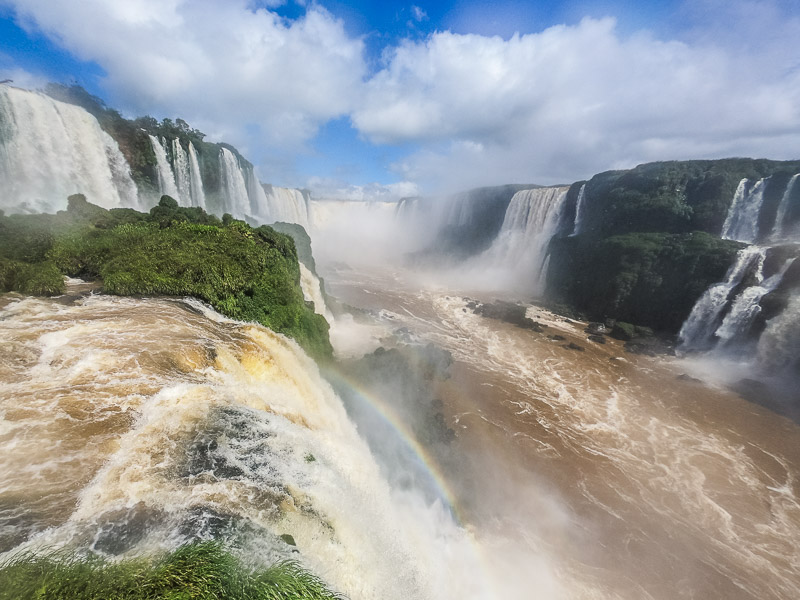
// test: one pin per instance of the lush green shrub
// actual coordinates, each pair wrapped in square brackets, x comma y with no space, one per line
[245,273]
[199,571]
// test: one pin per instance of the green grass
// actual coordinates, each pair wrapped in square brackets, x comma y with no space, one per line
[198,571]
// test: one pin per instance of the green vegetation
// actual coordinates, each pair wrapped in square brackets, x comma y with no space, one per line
[672,197]
[246,273]
[199,571]
[649,279]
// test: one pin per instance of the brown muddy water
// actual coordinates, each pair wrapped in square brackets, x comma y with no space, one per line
[633,482]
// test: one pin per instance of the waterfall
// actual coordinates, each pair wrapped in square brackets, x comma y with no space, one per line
[183,178]
[50,149]
[518,254]
[579,210]
[286,204]
[781,229]
[779,346]
[166,179]
[234,186]
[698,330]
[312,292]
[745,307]
[195,179]
[741,224]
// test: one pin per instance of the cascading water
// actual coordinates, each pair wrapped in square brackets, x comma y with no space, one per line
[782,230]
[50,149]
[741,223]
[579,211]
[745,307]
[288,205]
[234,186]
[697,333]
[166,178]
[195,179]
[312,292]
[722,320]
[183,179]
[518,255]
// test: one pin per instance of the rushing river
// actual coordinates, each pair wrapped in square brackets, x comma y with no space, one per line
[134,425]
[634,482]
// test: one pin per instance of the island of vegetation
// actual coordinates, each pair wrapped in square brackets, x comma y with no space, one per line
[246,273]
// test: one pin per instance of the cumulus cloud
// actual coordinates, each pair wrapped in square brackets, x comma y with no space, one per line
[572,100]
[545,107]
[237,71]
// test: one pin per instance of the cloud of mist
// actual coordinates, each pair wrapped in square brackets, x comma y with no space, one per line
[336,189]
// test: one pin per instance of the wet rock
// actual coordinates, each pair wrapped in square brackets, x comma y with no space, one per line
[509,313]
[651,346]
[689,378]
[596,329]
[574,346]
[556,337]
[599,339]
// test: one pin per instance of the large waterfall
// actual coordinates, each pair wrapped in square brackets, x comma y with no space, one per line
[50,149]
[517,258]
[233,184]
[288,205]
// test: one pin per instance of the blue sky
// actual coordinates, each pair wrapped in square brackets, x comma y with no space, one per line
[383,99]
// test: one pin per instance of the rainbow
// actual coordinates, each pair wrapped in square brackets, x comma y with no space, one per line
[423,458]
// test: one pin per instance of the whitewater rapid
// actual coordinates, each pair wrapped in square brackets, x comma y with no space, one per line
[135,425]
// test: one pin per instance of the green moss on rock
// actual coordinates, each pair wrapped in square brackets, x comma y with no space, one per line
[650,279]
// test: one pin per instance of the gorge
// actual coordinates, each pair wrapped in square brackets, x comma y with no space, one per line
[177,371]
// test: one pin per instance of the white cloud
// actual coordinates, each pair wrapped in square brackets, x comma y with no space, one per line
[573,100]
[234,70]
[418,14]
